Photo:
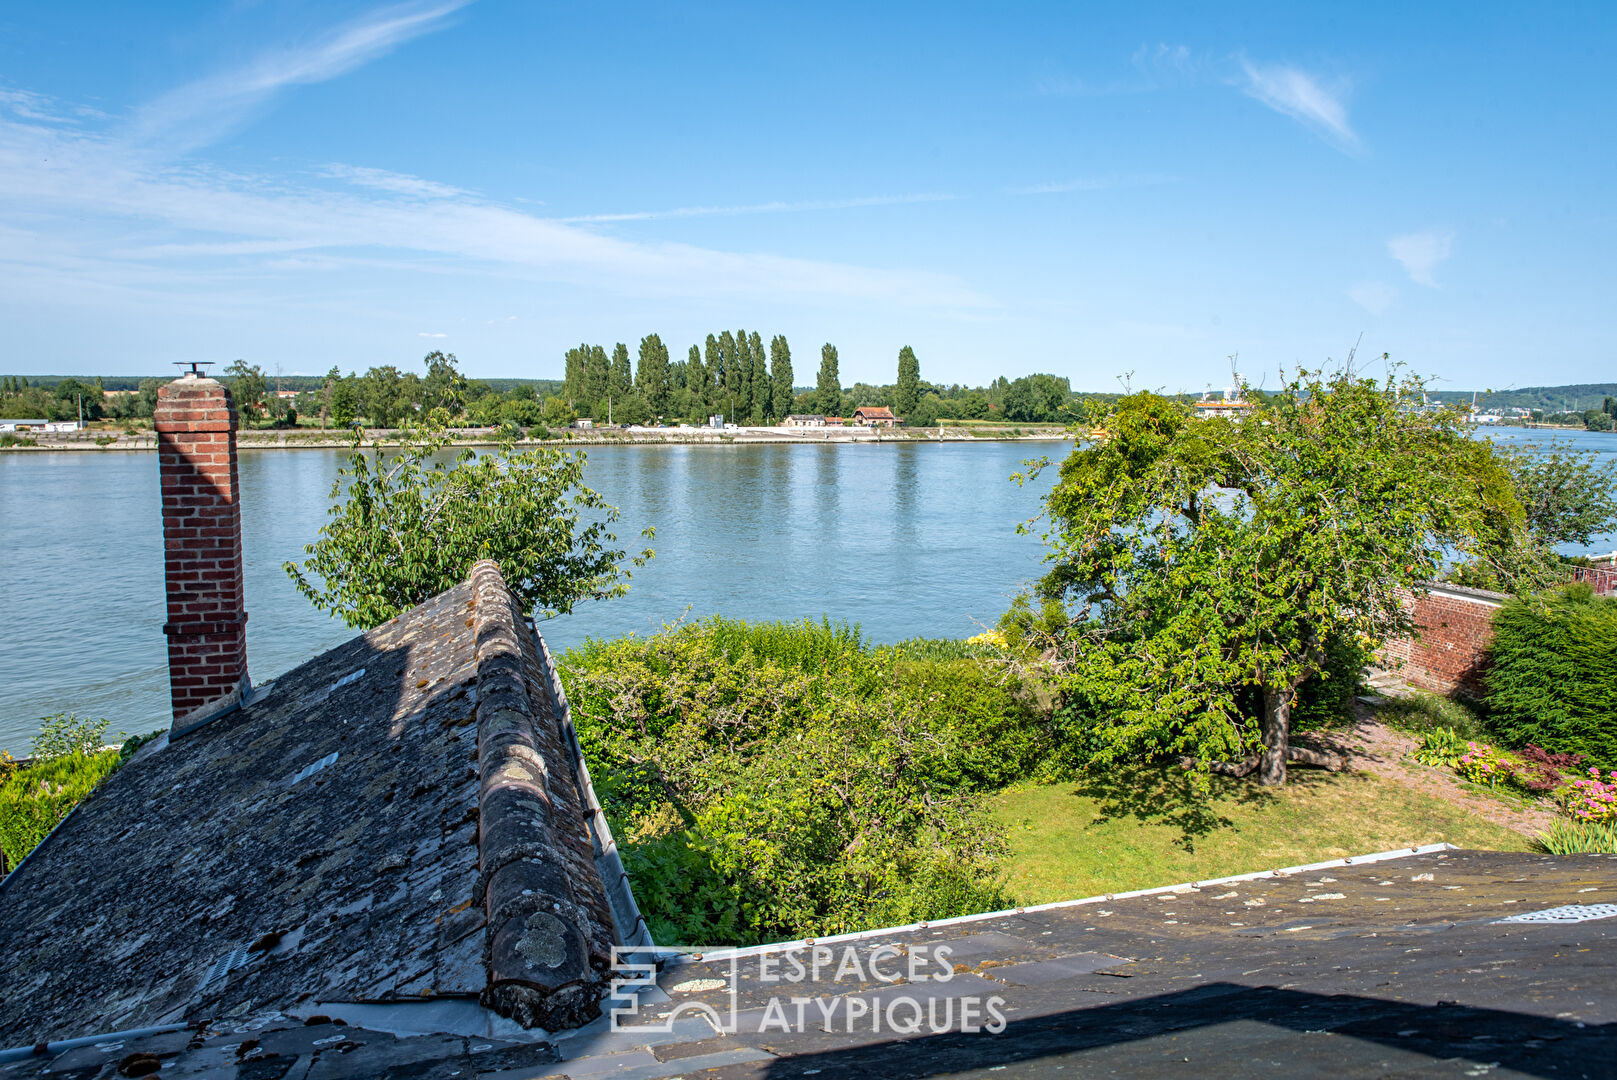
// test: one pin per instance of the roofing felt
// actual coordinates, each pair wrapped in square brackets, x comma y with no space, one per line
[322,843]
[1398,968]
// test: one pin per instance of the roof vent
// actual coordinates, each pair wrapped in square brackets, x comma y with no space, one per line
[1568,913]
[223,966]
[309,770]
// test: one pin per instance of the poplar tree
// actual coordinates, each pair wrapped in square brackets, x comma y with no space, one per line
[652,376]
[743,381]
[622,379]
[780,366]
[907,391]
[597,378]
[828,387]
[762,390]
[714,387]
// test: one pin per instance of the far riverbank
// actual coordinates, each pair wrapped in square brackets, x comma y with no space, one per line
[586,437]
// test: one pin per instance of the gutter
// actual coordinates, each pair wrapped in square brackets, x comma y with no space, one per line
[52,1049]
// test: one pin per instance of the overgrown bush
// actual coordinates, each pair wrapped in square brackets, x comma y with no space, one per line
[33,798]
[68,733]
[1552,676]
[784,780]
[1422,714]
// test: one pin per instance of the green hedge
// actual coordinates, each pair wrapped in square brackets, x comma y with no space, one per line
[1552,675]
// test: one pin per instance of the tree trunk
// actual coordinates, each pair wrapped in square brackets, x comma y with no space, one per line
[1276,735]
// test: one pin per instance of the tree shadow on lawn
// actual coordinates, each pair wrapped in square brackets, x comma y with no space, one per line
[1168,795]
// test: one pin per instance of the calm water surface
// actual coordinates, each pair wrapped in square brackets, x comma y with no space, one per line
[907,540]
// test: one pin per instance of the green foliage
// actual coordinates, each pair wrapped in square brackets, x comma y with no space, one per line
[781,780]
[67,733]
[1216,559]
[34,798]
[1552,673]
[1442,747]
[828,383]
[1421,714]
[9,440]
[247,387]
[1565,837]
[411,525]
[906,391]
[135,742]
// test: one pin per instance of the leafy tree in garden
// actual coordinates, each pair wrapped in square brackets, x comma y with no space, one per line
[828,385]
[444,387]
[762,389]
[1568,496]
[780,367]
[247,386]
[906,392]
[652,375]
[405,527]
[1212,556]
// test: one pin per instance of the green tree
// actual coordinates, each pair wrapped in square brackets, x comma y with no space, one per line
[780,366]
[444,387]
[1215,559]
[345,400]
[828,385]
[621,380]
[906,391]
[405,527]
[652,375]
[247,386]
[762,389]
[597,381]
[1037,398]
[382,393]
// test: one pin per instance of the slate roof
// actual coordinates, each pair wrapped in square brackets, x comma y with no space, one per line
[397,819]
[1395,968]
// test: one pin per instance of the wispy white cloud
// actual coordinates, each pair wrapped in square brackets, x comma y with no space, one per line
[397,183]
[1293,92]
[1373,296]
[426,334]
[199,112]
[1420,252]
[1093,183]
[759,208]
[88,208]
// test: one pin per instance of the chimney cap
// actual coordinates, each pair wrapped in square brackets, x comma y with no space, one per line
[193,365]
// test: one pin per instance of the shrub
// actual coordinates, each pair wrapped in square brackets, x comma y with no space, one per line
[1420,713]
[1441,747]
[9,440]
[1593,799]
[68,733]
[782,780]
[1580,838]
[1552,679]
[33,798]
[1481,764]
[1542,772]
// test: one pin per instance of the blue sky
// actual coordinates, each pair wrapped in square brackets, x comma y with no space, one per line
[1007,188]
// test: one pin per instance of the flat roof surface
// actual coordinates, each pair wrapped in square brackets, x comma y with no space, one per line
[1400,968]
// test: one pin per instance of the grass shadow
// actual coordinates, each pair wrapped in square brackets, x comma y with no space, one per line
[1169,795]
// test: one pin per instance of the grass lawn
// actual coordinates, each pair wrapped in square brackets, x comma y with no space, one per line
[1138,828]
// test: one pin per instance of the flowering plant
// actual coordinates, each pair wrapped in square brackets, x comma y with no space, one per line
[1482,764]
[1593,799]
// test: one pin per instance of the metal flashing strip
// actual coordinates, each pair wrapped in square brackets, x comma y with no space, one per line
[223,966]
[675,957]
[631,925]
[1566,913]
[314,767]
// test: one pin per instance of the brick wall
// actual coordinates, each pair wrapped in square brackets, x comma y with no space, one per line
[1456,626]
[207,620]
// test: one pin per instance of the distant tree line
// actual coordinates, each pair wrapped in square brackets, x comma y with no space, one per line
[733,374]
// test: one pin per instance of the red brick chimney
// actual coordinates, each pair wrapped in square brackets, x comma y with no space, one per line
[207,622]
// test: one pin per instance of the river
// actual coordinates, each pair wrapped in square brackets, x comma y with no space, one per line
[904,539]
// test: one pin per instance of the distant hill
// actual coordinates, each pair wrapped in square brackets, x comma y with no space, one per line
[1549,398]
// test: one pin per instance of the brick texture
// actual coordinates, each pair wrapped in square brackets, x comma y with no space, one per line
[207,617]
[1455,629]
